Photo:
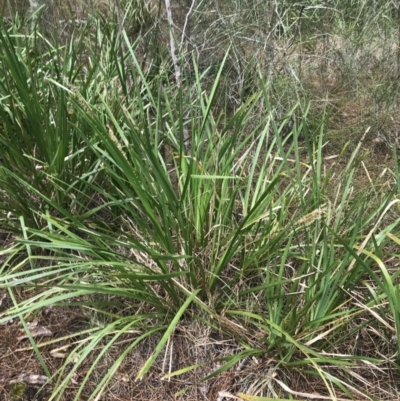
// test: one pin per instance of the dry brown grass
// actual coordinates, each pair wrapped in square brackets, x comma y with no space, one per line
[192,343]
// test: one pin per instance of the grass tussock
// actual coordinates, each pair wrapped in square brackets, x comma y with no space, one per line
[234,232]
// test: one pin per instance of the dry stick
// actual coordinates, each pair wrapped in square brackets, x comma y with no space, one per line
[186,23]
[177,67]
[178,73]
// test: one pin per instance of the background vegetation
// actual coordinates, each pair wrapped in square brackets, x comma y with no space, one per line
[199,201]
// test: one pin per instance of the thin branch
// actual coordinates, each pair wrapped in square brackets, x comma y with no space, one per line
[177,67]
[178,70]
[186,23]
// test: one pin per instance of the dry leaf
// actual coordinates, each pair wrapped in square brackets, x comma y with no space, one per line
[225,394]
[31,325]
[122,377]
[39,331]
[3,297]
[74,378]
[56,354]
[31,379]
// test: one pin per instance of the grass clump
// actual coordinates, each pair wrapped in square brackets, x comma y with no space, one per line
[158,217]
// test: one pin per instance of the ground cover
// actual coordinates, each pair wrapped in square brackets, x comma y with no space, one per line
[230,233]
